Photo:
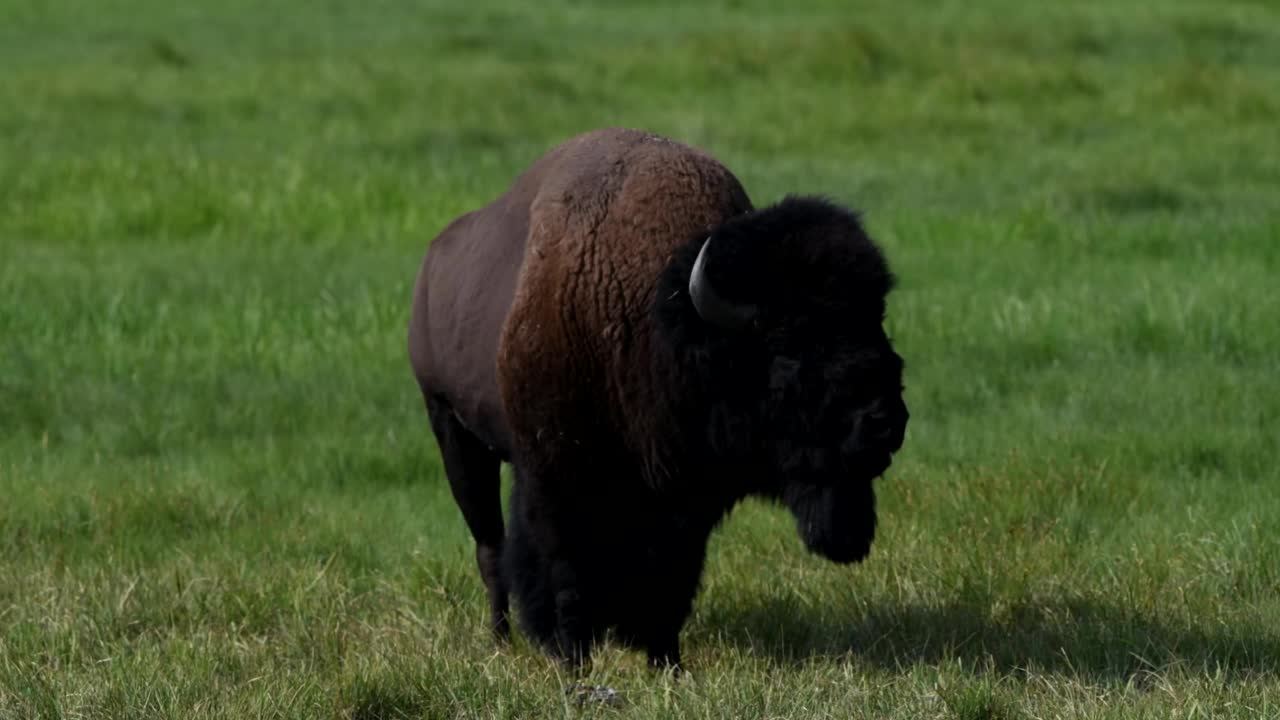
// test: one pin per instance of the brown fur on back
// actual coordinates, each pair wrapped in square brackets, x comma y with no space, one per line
[602,227]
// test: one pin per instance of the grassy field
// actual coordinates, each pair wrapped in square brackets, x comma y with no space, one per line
[219,496]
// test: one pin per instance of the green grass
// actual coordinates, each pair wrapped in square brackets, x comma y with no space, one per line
[220,493]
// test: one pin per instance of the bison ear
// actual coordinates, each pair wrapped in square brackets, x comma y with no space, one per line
[710,305]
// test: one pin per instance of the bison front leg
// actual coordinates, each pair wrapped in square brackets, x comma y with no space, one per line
[542,570]
[670,582]
[651,622]
[574,627]
[663,620]
[664,649]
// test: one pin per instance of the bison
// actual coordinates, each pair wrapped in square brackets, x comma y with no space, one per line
[645,349]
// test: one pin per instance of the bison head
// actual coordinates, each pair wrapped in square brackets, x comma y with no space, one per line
[800,288]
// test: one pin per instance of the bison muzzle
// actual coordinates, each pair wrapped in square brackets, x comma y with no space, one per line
[645,348]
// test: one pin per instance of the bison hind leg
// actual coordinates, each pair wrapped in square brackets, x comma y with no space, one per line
[473,471]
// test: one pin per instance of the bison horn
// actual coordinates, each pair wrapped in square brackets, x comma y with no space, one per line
[710,306]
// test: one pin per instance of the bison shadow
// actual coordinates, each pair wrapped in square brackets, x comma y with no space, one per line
[1087,639]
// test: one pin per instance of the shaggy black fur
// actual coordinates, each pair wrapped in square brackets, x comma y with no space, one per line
[804,407]
[811,396]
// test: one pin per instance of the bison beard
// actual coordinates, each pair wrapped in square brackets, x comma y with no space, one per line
[837,522]
[647,349]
